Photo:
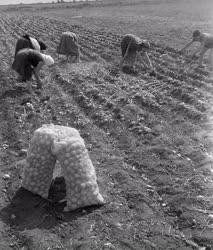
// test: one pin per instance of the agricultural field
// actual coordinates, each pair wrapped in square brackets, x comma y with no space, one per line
[149,136]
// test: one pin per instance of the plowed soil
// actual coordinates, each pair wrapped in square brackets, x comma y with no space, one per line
[149,137]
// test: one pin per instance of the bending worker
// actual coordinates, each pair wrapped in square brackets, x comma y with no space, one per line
[28,62]
[131,45]
[69,47]
[206,43]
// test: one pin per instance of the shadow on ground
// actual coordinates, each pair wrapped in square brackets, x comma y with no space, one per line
[15,92]
[29,211]
[129,71]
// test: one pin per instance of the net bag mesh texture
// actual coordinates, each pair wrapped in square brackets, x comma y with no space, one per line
[50,143]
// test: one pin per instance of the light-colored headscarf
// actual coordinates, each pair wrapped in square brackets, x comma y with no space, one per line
[35,43]
[48,60]
[145,44]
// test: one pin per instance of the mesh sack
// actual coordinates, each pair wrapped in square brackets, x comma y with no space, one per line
[51,143]
[79,173]
[39,165]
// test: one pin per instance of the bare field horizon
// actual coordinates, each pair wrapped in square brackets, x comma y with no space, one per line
[167,21]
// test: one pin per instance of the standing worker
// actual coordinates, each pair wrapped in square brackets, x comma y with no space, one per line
[131,45]
[29,62]
[206,43]
[69,46]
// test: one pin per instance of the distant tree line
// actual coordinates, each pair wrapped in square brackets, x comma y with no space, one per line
[62,1]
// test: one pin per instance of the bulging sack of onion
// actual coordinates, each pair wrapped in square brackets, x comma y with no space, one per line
[40,163]
[50,143]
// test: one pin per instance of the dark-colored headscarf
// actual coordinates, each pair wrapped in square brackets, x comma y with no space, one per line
[43,46]
[196,34]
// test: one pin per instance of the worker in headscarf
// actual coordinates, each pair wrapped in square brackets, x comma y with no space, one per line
[69,46]
[28,62]
[27,41]
[132,47]
[206,43]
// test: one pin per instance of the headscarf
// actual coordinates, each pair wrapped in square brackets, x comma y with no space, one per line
[196,34]
[43,46]
[35,43]
[48,60]
[145,44]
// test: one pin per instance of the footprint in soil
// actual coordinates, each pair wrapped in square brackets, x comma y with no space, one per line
[15,92]
[153,73]
[114,71]
[130,71]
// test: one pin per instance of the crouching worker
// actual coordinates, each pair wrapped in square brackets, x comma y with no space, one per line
[206,43]
[69,47]
[29,62]
[132,47]
[27,41]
